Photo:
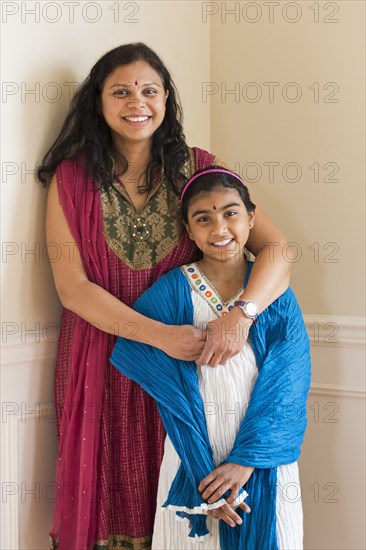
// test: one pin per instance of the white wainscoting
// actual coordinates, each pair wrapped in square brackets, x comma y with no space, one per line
[331,465]
[28,442]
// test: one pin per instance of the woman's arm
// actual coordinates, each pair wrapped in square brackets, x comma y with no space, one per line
[269,279]
[98,306]
[270,276]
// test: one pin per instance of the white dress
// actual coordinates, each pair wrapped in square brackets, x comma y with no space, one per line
[225,393]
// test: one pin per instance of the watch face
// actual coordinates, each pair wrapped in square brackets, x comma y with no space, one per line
[251,308]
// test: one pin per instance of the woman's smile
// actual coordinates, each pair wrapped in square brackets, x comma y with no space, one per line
[136,118]
[137,121]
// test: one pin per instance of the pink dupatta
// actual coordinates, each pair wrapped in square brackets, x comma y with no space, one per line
[76,468]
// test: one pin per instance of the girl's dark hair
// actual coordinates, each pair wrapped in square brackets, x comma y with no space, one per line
[85,130]
[211,181]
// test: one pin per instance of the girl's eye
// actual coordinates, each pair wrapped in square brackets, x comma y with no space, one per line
[230,213]
[203,219]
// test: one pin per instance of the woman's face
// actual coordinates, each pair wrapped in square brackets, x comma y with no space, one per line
[133,103]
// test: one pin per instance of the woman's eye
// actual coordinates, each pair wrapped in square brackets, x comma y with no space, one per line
[121,93]
[150,91]
[203,219]
[230,213]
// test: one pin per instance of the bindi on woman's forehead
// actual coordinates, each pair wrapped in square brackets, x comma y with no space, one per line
[136,84]
[214,207]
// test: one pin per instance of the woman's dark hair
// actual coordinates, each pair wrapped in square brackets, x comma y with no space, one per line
[208,182]
[85,130]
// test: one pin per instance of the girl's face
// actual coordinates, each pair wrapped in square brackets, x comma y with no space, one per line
[133,103]
[219,223]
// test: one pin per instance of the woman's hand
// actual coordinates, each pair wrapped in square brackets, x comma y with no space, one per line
[225,338]
[227,476]
[183,342]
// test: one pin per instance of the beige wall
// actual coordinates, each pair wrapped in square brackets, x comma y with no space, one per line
[328,277]
[208,52]
[48,57]
[272,129]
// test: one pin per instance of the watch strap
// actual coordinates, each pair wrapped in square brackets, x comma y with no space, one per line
[241,304]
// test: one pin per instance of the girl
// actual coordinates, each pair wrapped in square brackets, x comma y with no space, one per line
[241,423]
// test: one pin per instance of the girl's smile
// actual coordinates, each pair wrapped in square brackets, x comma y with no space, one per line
[223,244]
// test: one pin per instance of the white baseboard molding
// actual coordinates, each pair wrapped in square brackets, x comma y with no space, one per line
[34,349]
[323,330]
[331,390]
[10,467]
[39,351]
[336,330]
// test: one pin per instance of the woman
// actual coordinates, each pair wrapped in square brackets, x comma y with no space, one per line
[124,122]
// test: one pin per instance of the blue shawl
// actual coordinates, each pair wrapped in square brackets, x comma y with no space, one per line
[274,425]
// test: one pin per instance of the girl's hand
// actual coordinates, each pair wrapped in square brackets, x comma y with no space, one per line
[181,342]
[226,476]
[228,515]
[225,338]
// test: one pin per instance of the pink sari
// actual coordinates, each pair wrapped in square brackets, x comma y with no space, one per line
[109,432]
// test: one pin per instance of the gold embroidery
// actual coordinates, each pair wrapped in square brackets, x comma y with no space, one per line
[117,542]
[141,239]
[124,542]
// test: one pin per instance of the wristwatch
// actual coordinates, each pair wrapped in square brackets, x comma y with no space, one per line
[250,309]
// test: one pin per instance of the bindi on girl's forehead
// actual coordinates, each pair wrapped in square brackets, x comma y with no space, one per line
[214,207]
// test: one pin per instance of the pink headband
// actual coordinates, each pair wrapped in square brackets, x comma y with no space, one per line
[210,171]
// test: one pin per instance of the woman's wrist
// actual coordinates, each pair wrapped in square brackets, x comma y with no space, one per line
[153,333]
[248,308]
[240,317]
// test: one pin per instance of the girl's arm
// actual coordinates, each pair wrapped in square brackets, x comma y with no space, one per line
[100,308]
[269,279]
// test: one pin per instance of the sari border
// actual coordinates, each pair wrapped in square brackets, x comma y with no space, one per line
[124,542]
[116,542]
